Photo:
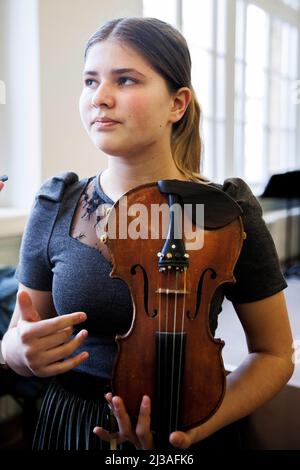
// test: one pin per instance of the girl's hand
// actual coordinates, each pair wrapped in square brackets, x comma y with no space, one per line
[45,344]
[141,437]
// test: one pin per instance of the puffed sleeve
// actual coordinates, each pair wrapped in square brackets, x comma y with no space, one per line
[257,271]
[34,269]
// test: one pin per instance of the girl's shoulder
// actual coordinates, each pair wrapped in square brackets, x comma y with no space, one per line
[239,190]
[55,188]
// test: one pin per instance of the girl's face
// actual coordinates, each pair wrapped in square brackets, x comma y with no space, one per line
[119,84]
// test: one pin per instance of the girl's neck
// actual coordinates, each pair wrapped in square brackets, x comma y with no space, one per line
[123,174]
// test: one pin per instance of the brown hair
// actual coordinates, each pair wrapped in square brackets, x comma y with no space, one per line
[166,50]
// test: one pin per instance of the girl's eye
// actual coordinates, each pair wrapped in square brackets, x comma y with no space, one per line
[87,82]
[126,81]
[121,81]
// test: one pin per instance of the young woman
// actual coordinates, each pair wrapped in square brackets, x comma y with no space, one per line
[138,106]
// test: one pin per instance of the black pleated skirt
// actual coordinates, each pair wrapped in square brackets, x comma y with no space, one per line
[74,404]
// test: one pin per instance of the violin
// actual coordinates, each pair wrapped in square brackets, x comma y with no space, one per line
[169,352]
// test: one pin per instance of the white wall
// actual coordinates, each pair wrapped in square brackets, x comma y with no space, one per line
[65,26]
[19,116]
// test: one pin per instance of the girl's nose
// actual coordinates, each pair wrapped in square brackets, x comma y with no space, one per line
[102,97]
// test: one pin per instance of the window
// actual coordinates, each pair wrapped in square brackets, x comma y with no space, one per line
[251,115]
[265,115]
[244,68]
[295,4]
[204,27]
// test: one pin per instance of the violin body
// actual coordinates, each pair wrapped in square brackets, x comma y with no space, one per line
[169,352]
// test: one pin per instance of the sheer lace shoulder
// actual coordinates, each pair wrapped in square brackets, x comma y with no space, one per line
[89,218]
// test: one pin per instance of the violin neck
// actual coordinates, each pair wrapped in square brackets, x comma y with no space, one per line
[170,358]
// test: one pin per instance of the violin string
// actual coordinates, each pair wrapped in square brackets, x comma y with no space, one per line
[181,343]
[166,329]
[159,344]
[167,301]
[163,362]
[173,352]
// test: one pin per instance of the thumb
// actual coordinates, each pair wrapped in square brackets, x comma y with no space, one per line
[28,313]
[180,439]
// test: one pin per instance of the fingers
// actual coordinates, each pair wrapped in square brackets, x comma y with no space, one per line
[64,350]
[126,432]
[52,325]
[143,425]
[124,424]
[39,360]
[142,437]
[56,339]
[102,433]
[27,310]
[39,328]
[64,366]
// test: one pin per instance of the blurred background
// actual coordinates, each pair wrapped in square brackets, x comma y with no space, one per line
[246,73]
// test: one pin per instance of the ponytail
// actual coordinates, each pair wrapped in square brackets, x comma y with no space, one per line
[186,141]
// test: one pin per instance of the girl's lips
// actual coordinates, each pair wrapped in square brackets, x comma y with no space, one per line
[104,125]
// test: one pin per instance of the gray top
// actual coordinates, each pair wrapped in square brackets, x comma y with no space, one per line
[78,274]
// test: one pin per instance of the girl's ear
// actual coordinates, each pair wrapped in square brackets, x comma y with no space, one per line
[181,100]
